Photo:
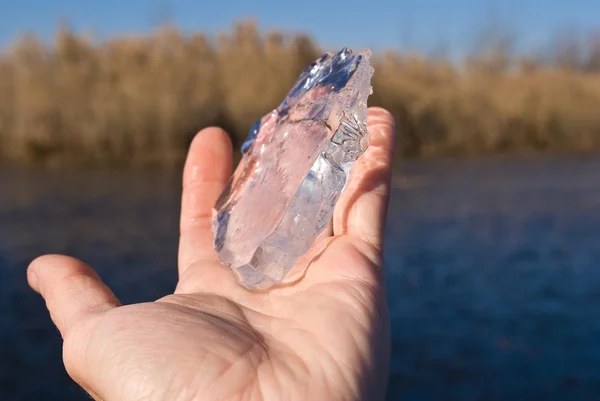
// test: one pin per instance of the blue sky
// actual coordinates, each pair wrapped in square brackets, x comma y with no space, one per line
[421,24]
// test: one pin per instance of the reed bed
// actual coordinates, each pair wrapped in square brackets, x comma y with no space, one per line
[138,101]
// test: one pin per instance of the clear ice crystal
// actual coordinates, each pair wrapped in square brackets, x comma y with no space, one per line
[296,161]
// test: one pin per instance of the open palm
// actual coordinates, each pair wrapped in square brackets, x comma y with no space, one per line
[322,336]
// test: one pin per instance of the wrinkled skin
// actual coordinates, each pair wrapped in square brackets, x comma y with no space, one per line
[323,336]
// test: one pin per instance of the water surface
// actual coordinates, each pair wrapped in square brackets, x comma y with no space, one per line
[492,268]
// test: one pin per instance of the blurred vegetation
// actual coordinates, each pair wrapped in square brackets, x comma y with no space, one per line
[139,101]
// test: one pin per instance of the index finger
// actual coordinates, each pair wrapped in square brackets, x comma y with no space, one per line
[205,175]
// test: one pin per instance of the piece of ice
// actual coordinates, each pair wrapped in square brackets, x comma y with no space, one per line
[296,161]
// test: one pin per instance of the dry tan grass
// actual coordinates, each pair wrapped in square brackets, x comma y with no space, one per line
[139,101]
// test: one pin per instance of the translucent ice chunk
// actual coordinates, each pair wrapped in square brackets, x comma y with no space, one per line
[296,161]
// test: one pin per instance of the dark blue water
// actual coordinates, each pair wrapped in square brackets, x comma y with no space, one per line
[493,273]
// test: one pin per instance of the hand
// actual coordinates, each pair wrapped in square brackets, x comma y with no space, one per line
[322,337]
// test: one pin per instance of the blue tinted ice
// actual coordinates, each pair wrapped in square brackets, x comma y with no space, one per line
[296,161]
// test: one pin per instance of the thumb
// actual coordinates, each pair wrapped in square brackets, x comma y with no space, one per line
[72,290]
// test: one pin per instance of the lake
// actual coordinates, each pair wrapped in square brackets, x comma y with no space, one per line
[492,268]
